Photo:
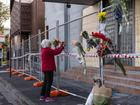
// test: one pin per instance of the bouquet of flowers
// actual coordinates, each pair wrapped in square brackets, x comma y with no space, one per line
[100,36]
[79,47]
[80,54]
[103,50]
[102,16]
[103,45]
[90,42]
[56,42]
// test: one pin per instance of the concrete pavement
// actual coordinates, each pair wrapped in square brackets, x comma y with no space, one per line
[16,91]
[19,92]
[3,100]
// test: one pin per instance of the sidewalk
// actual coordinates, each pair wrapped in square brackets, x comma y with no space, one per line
[3,100]
[20,92]
[30,95]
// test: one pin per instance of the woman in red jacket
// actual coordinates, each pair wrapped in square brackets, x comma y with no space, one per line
[48,67]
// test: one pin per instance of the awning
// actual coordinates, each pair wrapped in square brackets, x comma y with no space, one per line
[82,2]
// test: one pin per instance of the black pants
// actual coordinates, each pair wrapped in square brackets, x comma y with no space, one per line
[48,80]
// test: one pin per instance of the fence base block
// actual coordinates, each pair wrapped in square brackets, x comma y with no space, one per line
[15,73]
[55,93]
[38,84]
[12,70]
[29,78]
[21,75]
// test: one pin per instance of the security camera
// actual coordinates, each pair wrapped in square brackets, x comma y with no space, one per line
[68,5]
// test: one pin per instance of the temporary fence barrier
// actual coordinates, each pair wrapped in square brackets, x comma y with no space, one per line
[27,59]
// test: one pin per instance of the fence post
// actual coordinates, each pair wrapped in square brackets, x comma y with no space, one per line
[101,58]
[29,59]
[17,60]
[45,33]
[58,67]
[10,56]
[102,70]
[23,57]
[39,42]
[66,36]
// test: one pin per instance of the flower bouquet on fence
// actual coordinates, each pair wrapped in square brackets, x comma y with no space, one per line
[103,45]
[90,42]
[56,42]
[80,54]
[102,16]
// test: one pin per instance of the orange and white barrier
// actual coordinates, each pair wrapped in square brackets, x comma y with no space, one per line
[129,55]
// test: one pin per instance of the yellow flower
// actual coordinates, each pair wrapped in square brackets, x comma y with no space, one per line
[102,16]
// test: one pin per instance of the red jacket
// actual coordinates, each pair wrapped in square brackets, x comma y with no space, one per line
[47,57]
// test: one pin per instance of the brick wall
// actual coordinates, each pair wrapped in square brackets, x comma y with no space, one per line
[113,78]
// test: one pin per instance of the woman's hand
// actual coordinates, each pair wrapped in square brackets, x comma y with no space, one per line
[62,44]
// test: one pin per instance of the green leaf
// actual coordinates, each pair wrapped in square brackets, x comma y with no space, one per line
[118,62]
[85,35]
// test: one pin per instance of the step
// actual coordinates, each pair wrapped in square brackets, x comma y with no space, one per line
[128,68]
[123,80]
[91,72]
[113,79]
[123,88]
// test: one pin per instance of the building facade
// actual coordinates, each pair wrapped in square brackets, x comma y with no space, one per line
[26,20]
